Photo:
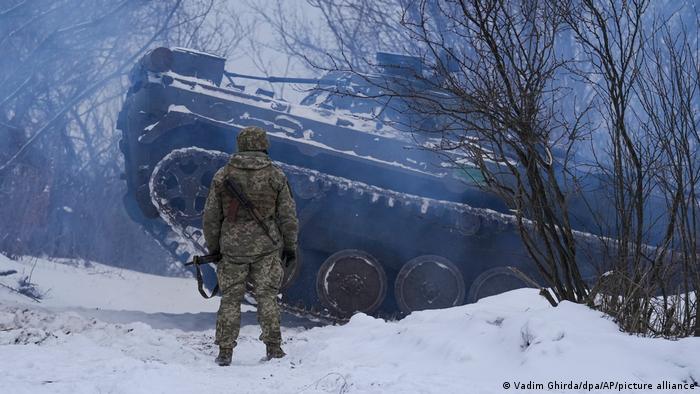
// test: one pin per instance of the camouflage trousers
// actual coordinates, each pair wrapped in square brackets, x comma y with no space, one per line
[265,273]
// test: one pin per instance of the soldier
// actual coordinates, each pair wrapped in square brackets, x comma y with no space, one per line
[250,249]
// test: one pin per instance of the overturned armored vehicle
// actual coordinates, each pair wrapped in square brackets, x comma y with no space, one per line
[387,226]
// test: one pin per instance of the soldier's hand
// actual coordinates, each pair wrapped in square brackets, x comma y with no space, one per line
[289,258]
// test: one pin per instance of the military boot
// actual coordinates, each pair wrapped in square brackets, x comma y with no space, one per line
[274,351]
[224,357]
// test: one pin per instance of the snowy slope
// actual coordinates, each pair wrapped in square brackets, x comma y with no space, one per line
[91,285]
[514,337]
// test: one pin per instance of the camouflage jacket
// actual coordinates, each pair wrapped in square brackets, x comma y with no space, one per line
[267,188]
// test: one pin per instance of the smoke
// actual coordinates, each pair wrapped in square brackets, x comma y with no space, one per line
[65,65]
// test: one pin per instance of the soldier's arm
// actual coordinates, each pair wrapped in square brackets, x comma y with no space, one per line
[287,217]
[213,216]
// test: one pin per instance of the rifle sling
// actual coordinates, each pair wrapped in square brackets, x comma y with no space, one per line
[200,283]
[196,261]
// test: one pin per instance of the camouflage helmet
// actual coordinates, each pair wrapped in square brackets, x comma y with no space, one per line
[252,139]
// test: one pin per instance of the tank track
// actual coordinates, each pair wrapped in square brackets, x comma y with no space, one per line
[465,219]
[189,240]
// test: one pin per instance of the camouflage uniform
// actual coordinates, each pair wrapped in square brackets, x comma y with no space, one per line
[248,253]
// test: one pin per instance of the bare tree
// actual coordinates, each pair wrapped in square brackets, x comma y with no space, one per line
[610,34]
[507,119]
[645,78]
[668,93]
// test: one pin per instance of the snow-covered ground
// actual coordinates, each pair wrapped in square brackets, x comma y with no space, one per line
[103,330]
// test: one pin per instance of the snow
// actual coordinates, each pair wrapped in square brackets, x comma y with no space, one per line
[196,52]
[291,120]
[179,108]
[151,126]
[424,206]
[351,153]
[331,118]
[273,125]
[92,285]
[516,337]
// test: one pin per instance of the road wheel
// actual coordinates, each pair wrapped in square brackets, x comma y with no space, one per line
[429,282]
[351,281]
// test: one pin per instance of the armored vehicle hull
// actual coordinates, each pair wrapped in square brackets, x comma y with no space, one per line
[387,225]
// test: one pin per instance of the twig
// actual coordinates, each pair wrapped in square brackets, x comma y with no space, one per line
[525,278]
[339,377]
[19,292]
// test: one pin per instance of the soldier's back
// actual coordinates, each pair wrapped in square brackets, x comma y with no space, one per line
[261,182]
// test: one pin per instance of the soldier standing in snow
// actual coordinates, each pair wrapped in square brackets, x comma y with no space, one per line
[253,239]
